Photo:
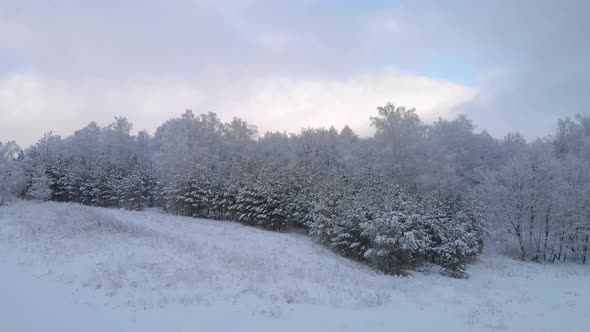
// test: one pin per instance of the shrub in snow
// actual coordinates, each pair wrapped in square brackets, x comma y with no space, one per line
[457,231]
[397,242]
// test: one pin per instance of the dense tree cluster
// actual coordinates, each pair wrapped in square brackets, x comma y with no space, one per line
[412,193]
[101,167]
[541,196]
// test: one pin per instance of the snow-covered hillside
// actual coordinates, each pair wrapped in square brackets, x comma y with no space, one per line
[67,267]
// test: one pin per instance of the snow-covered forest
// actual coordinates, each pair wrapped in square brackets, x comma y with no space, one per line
[410,194]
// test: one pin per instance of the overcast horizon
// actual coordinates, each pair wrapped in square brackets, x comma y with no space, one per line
[285,65]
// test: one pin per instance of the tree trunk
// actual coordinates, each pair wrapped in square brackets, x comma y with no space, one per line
[560,245]
[546,236]
[585,250]
[531,225]
[518,233]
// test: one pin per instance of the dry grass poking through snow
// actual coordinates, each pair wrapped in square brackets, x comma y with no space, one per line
[186,260]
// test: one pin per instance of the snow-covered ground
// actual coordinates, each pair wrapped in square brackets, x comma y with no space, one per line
[66,267]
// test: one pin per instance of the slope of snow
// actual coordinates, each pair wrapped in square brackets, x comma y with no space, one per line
[67,267]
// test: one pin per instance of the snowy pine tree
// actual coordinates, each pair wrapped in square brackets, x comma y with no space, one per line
[41,183]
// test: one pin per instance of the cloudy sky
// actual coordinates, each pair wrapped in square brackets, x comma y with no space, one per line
[283,65]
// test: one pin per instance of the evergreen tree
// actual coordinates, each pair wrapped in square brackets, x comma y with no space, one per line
[40,187]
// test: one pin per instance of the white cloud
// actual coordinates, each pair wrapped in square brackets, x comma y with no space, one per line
[26,108]
[292,104]
[31,105]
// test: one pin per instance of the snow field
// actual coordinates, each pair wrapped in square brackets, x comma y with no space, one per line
[72,266]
